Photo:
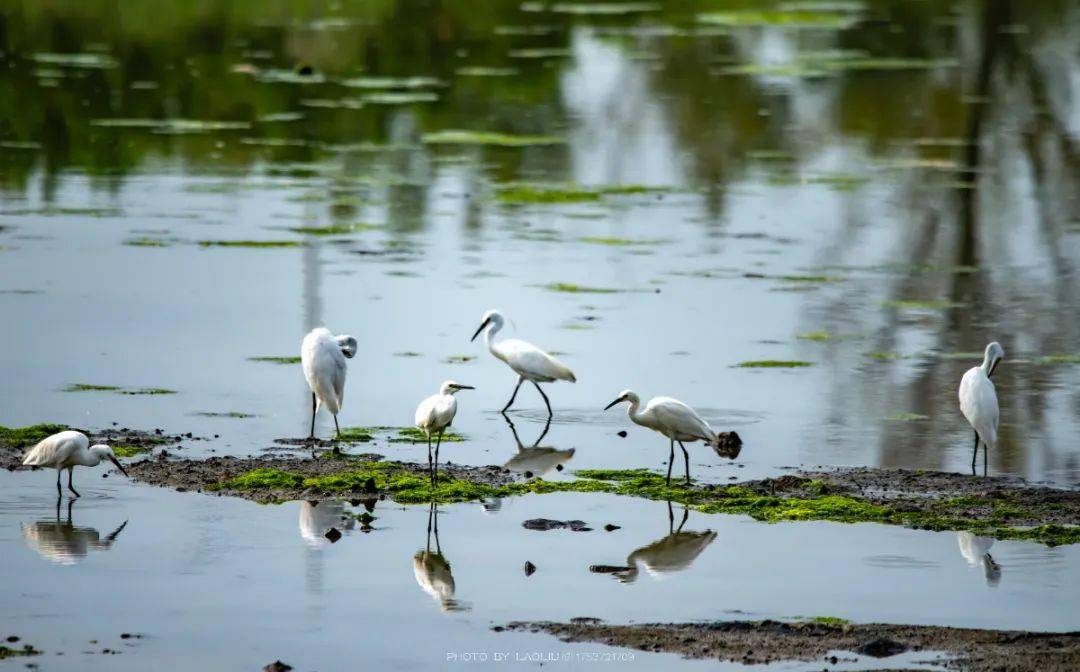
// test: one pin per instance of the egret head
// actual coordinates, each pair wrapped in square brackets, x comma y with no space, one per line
[994,354]
[492,317]
[103,452]
[625,395]
[347,344]
[991,571]
[450,387]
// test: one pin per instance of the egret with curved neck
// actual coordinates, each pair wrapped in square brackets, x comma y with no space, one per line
[979,402]
[679,423]
[322,356]
[67,450]
[527,361]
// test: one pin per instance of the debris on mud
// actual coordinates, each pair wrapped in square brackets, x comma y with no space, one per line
[763,642]
[545,524]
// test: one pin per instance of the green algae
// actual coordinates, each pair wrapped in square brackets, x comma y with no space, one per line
[254,244]
[408,83]
[793,19]
[18,437]
[773,364]
[356,435]
[484,71]
[414,435]
[814,501]
[459,359]
[571,288]
[814,336]
[124,450]
[333,229]
[884,356]
[465,137]
[130,391]
[1056,359]
[9,652]
[914,304]
[831,621]
[145,241]
[238,415]
[615,241]
[275,360]
[408,353]
[603,9]
[529,194]
[907,417]
[810,278]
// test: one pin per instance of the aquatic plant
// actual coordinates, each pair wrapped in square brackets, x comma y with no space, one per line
[773,364]
[463,137]
[275,360]
[18,437]
[255,244]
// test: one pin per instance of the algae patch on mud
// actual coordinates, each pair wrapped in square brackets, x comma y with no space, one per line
[19,437]
[129,391]
[464,137]
[773,364]
[275,360]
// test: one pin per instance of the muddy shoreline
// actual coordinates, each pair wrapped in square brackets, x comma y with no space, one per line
[760,642]
[999,507]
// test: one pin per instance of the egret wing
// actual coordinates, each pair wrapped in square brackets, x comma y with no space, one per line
[674,414]
[531,361]
[56,449]
[979,403]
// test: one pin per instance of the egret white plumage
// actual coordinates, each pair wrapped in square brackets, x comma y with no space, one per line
[979,402]
[322,356]
[528,361]
[673,553]
[679,423]
[435,414]
[67,450]
[63,543]
[976,550]
[432,569]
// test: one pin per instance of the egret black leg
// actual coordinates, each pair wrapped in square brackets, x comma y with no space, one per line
[438,442]
[314,407]
[670,518]
[430,511]
[431,477]
[514,395]
[337,430]
[685,515]
[546,402]
[986,451]
[975,453]
[71,475]
[671,459]
[435,508]
[686,459]
[59,489]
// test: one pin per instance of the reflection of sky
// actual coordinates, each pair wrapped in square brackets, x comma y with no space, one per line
[187,318]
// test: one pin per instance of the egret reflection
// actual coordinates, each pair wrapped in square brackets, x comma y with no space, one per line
[674,552]
[318,518]
[61,542]
[432,569]
[536,460]
[976,550]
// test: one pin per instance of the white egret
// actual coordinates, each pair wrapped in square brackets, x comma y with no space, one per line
[536,460]
[434,415]
[679,423]
[979,402]
[67,450]
[673,553]
[322,356]
[317,518]
[528,361]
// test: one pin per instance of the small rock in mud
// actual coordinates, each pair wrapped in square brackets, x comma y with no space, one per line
[277,666]
[529,568]
[611,527]
[622,433]
[12,639]
[333,535]
[544,524]
[881,647]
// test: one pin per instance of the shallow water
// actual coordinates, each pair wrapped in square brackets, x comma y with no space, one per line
[813,202]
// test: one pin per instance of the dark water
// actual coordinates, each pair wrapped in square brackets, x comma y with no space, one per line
[876,189]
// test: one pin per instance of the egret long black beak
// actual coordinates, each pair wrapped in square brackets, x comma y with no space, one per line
[479,329]
[464,387]
[993,367]
[613,403]
[118,465]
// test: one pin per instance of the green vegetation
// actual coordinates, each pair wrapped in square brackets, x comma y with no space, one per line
[125,450]
[275,360]
[907,417]
[571,288]
[256,244]
[914,304]
[884,356]
[356,434]
[619,242]
[461,137]
[773,364]
[333,229]
[811,278]
[814,336]
[1054,359]
[793,18]
[526,194]
[8,652]
[459,359]
[18,437]
[408,353]
[414,435]
[130,391]
[832,621]
[228,414]
[814,501]
[145,241]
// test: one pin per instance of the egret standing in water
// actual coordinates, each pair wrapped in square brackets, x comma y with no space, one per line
[322,356]
[528,361]
[979,402]
[67,450]
[434,415]
[678,422]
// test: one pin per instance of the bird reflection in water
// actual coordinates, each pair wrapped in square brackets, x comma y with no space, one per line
[322,522]
[432,570]
[536,460]
[976,550]
[672,553]
[61,542]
